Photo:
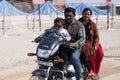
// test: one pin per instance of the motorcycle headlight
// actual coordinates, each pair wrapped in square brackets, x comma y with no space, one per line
[43,53]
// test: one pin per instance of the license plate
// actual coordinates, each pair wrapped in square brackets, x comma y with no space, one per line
[45,63]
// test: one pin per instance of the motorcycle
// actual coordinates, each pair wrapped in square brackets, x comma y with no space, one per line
[48,61]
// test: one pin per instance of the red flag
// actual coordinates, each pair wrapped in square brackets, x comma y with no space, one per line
[108,1]
[38,1]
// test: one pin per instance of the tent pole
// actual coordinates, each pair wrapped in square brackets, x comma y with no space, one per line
[3,27]
[34,22]
[107,16]
[97,19]
[39,17]
[3,21]
[27,21]
[34,18]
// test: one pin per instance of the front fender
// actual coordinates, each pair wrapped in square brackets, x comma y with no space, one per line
[39,72]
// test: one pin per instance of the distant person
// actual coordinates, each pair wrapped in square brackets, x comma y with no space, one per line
[92,48]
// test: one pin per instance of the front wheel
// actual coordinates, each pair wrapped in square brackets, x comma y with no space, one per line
[36,78]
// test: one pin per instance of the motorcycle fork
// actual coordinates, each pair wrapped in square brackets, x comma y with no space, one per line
[48,70]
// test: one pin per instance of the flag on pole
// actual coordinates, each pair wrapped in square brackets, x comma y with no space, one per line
[108,1]
[38,1]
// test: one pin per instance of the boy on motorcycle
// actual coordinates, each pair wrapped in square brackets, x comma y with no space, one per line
[59,27]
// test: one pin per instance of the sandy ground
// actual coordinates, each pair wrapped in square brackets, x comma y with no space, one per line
[16,65]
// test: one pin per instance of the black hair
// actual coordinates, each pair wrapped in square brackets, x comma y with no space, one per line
[87,9]
[70,9]
[59,20]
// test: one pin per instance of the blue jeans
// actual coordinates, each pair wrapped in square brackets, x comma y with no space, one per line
[75,60]
[74,55]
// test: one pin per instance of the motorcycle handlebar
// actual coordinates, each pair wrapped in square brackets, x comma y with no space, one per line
[31,54]
[33,41]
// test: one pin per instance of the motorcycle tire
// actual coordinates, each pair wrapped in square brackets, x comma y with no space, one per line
[55,76]
[36,78]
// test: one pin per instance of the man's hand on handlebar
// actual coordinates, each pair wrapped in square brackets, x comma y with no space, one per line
[73,45]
